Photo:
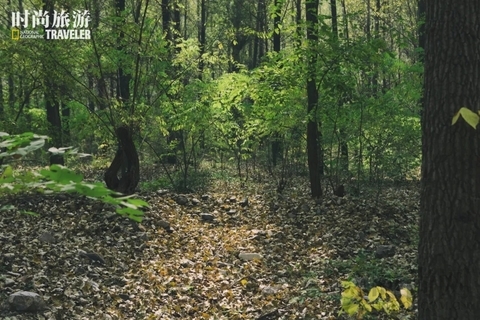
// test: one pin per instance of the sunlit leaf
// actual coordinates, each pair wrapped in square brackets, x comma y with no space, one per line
[469,116]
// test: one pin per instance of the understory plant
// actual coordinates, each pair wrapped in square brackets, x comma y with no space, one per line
[55,178]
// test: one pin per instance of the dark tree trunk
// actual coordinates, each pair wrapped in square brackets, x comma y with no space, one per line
[277,142]
[258,50]
[368,21]
[202,36]
[123,174]
[238,23]
[123,81]
[298,21]
[342,132]
[345,18]
[2,105]
[176,19]
[11,92]
[315,163]
[51,101]
[276,25]
[65,122]
[421,29]
[54,120]
[166,19]
[449,249]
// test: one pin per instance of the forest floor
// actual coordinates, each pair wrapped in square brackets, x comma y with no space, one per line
[232,252]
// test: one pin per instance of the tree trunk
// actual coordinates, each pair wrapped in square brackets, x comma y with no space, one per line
[2,105]
[449,249]
[298,22]
[54,120]
[315,164]
[123,174]
[277,140]
[52,103]
[202,36]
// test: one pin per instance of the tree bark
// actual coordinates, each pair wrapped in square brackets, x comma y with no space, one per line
[202,36]
[315,164]
[449,249]
[277,139]
[123,174]
[52,103]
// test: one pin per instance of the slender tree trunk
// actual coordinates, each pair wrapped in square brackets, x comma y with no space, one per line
[277,140]
[65,122]
[315,163]
[368,22]
[421,29]
[2,104]
[54,120]
[345,18]
[258,46]
[202,36]
[166,19]
[298,22]
[11,92]
[449,249]
[51,100]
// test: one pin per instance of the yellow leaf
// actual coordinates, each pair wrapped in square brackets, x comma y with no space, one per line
[392,296]
[383,292]
[350,293]
[378,306]
[373,294]
[347,284]
[351,309]
[469,116]
[406,298]
[244,282]
[366,305]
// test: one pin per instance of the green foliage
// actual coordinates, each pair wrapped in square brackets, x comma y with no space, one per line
[372,271]
[56,178]
[355,303]
[198,180]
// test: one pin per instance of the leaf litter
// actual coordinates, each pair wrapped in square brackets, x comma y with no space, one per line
[259,255]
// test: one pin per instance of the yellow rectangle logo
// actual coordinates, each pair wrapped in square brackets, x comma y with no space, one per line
[15,34]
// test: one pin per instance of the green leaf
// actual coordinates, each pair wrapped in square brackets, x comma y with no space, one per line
[31,213]
[7,175]
[61,174]
[138,202]
[469,116]
[134,214]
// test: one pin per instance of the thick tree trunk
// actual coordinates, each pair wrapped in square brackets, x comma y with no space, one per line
[123,174]
[449,250]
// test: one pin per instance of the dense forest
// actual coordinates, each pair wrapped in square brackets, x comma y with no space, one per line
[240,159]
